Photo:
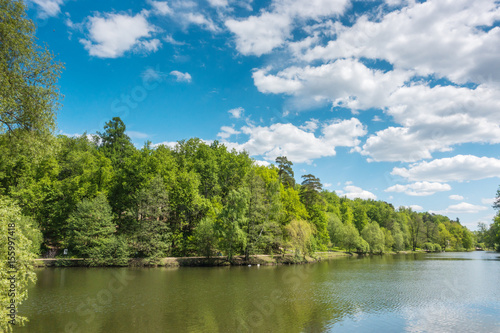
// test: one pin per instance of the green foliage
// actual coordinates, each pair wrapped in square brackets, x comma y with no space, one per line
[374,236]
[233,221]
[206,237]
[19,240]
[300,235]
[28,74]
[285,172]
[93,232]
[151,236]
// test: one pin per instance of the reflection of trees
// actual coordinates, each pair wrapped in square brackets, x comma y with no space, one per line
[228,299]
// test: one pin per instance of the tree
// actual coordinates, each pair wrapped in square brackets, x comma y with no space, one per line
[28,74]
[206,237]
[93,233]
[115,144]
[374,236]
[285,172]
[335,229]
[19,241]
[233,220]
[310,189]
[300,234]
[151,235]
[415,225]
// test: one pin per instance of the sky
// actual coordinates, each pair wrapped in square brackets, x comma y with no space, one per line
[395,100]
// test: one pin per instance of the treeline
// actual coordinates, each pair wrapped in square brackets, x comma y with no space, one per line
[100,197]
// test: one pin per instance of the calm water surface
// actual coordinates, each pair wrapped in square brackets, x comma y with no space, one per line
[446,292]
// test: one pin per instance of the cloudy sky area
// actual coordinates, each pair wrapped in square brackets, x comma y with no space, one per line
[391,100]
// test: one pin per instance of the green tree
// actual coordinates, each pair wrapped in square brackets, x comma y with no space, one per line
[310,190]
[206,237]
[285,172]
[233,221]
[300,234]
[28,74]
[374,236]
[151,236]
[93,233]
[115,144]
[19,241]
[335,229]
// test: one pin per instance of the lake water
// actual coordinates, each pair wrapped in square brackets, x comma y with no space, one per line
[445,292]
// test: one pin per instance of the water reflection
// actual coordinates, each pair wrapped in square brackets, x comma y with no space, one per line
[413,293]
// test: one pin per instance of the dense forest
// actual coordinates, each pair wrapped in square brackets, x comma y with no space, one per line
[102,198]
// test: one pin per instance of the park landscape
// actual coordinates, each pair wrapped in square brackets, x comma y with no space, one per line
[113,215]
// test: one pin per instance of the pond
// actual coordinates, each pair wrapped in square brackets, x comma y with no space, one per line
[444,292]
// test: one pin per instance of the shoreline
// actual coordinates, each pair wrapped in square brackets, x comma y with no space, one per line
[259,259]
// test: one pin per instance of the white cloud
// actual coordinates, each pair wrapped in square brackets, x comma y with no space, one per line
[218,3]
[258,35]
[416,208]
[261,163]
[310,125]
[441,37]
[236,112]
[227,131]
[300,145]
[456,197]
[345,82]
[137,135]
[327,185]
[435,119]
[489,201]
[199,19]
[461,208]
[181,77]
[457,168]
[161,7]
[419,188]
[456,40]
[352,192]
[49,8]
[169,144]
[111,35]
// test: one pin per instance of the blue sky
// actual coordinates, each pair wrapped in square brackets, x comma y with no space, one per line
[394,100]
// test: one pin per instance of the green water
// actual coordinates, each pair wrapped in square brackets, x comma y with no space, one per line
[446,292]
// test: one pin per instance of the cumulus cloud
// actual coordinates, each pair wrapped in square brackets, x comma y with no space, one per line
[422,41]
[48,8]
[456,197]
[258,35]
[261,163]
[488,201]
[416,208]
[161,7]
[345,82]
[352,192]
[181,77]
[227,131]
[137,135]
[441,37]
[236,112]
[457,168]
[111,35]
[461,208]
[419,188]
[298,144]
